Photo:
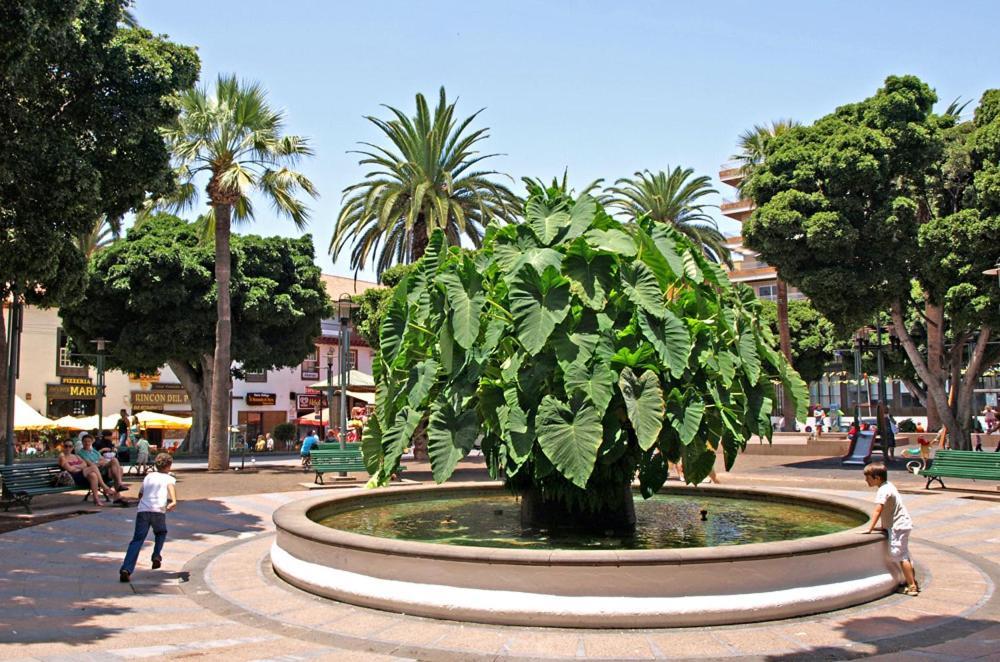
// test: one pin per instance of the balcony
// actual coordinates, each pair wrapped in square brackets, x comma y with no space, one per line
[731,174]
[738,210]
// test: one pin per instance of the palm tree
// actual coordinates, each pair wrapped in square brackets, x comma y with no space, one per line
[236,139]
[753,144]
[423,182]
[104,233]
[674,198]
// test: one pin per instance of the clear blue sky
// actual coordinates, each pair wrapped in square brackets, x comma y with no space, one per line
[603,88]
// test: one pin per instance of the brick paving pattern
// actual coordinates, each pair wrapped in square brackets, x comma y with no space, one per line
[215,597]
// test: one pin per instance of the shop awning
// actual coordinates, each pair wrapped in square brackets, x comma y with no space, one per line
[26,418]
[355,379]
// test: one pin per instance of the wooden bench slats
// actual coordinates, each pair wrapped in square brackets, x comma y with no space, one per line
[962,464]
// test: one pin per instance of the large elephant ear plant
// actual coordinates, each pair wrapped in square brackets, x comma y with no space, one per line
[582,351]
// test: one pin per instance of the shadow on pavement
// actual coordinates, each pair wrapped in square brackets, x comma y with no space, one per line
[926,631]
[59,580]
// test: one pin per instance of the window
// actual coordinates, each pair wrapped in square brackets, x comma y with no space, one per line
[769,292]
[310,366]
[252,376]
[66,366]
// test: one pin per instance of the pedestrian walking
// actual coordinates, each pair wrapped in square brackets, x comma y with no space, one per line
[157,497]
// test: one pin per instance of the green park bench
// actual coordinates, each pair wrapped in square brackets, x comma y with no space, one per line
[962,464]
[23,482]
[329,458]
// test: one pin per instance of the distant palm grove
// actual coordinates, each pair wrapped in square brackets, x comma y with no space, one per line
[430,175]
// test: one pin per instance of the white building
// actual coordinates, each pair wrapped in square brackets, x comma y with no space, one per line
[56,385]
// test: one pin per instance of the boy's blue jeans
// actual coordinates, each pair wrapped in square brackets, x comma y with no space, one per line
[143,522]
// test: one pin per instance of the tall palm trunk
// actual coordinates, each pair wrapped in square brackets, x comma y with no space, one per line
[785,336]
[420,239]
[218,439]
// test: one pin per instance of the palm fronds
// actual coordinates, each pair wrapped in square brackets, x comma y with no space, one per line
[429,177]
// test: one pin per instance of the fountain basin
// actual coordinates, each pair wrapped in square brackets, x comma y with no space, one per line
[609,588]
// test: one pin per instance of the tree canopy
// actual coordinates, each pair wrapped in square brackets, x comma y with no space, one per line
[82,99]
[884,205]
[582,349]
[814,338]
[153,295]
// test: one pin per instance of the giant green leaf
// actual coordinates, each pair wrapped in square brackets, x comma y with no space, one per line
[580,217]
[568,438]
[611,241]
[644,403]
[537,303]
[421,379]
[653,473]
[595,382]
[465,298]
[546,221]
[670,338]
[668,248]
[450,437]
[747,349]
[691,421]
[590,279]
[644,291]
[397,438]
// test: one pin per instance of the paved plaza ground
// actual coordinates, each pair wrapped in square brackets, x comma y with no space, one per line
[216,596]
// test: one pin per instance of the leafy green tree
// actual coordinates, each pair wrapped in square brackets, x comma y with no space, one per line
[153,295]
[813,337]
[374,303]
[81,102]
[674,198]
[582,350]
[859,210]
[427,180]
[237,140]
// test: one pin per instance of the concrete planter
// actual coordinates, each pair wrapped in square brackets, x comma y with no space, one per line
[594,589]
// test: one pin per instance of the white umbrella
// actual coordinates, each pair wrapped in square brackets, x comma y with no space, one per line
[70,423]
[91,423]
[26,418]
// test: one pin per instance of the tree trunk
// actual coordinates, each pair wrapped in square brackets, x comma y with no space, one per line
[935,388]
[785,336]
[420,453]
[4,360]
[218,440]
[198,383]
[418,244]
[966,390]
[613,519]
[935,356]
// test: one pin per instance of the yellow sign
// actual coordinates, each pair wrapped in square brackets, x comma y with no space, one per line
[65,391]
[159,398]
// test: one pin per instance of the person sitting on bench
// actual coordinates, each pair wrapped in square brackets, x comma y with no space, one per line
[106,462]
[85,475]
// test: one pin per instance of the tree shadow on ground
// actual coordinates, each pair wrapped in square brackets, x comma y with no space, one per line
[871,636]
[59,580]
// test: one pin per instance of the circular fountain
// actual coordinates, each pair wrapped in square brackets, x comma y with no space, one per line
[701,556]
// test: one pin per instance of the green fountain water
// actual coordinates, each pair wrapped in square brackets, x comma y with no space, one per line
[664,521]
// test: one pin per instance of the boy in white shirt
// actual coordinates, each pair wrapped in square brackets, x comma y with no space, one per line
[895,519]
[157,497]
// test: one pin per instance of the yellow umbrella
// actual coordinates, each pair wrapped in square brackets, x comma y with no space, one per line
[26,418]
[160,421]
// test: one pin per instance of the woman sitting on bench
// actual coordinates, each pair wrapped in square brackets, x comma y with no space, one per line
[85,474]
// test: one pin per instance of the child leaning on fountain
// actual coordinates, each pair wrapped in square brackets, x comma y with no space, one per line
[895,520]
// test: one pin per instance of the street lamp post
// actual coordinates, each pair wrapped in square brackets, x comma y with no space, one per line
[344,306]
[862,344]
[101,344]
[329,394]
